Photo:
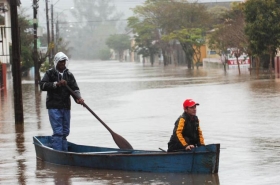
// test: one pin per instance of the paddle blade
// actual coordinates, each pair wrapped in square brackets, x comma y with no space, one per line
[121,142]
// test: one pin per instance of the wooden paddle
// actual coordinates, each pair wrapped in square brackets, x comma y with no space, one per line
[119,140]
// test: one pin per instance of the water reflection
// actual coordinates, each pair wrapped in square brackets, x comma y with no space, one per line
[37,105]
[5,102]
[19,140]
[140,103]
[65,175]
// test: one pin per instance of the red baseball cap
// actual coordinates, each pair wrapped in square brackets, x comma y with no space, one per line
[189,103]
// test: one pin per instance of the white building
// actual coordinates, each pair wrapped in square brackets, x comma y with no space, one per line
[5,31]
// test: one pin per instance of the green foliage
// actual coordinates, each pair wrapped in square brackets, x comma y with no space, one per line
[146,26]
[118,42]
[158,19]
[217,40]
[26,40]
[262,28]
[191,40]
[217,13]
[229,33]
[146,36]
[105,54]
[193,36]
[45,66]
[26,59]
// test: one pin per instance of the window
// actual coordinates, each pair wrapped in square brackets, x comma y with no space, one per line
[2,11]
[211,52]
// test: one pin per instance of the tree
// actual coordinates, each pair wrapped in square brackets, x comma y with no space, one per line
[96,20]
[230,34]
[217,38]
[218,41]
[191,41]
[170,18]
[194,20]
[148,26]
[26,41]
[262,27]
[120,43]
[145,35]
[217,13]
[105,54]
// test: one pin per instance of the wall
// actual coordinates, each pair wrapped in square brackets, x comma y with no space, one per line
[5,33]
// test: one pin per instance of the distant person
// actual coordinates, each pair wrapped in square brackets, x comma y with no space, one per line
[58,99]
[186,133]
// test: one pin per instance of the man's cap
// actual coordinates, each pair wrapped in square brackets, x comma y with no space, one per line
[189,103]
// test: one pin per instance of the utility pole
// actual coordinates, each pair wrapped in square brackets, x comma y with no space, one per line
[57,36]
[16,70]
[35,52]
[48,24]
[52,32]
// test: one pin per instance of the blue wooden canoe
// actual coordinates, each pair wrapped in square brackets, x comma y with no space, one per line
[204,159]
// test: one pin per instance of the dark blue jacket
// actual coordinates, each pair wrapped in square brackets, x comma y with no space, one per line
[59,97]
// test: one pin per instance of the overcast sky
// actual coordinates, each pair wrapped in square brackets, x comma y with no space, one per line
[60,5]
[123,6]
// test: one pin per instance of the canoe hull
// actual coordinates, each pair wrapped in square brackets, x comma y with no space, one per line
[201,160]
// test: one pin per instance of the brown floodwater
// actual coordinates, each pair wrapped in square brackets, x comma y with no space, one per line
[141,103]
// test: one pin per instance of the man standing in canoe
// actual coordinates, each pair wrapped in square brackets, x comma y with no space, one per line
[58,99]
[186,133]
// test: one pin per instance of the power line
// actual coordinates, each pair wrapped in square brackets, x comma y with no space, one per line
[56,2]
[77,22]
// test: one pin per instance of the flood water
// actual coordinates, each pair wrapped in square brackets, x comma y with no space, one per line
[141,103]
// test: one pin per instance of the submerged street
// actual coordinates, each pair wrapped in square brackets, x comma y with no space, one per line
[141,103]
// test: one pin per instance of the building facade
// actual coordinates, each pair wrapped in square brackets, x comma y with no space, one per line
[5,32]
